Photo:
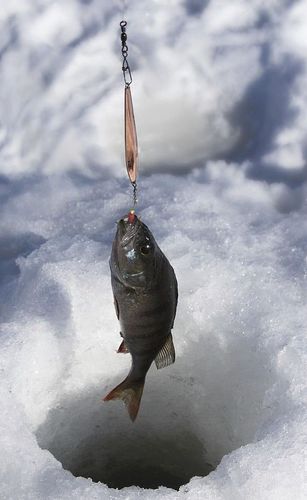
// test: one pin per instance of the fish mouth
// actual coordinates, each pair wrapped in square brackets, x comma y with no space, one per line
[128,230]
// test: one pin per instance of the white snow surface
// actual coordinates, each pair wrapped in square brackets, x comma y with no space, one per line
[220,94]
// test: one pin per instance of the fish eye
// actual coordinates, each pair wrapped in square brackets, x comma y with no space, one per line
[145,249]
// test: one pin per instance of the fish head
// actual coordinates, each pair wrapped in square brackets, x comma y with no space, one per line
[135,253]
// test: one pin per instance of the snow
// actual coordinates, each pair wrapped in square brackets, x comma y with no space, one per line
[220,97]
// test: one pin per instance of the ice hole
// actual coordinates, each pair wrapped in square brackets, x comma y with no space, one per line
[192,414]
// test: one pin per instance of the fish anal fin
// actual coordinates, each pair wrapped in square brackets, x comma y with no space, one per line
[166,356]
[130,392]
[123,349]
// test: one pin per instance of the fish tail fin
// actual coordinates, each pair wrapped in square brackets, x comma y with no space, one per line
[130,391]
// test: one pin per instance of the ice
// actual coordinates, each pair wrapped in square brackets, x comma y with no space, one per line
[219,94]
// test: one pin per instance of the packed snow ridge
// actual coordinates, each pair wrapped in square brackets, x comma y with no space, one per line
[220,93]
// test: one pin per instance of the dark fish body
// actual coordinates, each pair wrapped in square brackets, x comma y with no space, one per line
[145,296]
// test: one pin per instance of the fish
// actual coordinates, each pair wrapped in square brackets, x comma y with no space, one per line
[145,293]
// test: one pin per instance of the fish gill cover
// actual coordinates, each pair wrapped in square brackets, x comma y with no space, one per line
[221,120]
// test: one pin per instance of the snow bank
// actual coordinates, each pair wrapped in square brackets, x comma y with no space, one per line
[211,79]
[220,96]
[237,385]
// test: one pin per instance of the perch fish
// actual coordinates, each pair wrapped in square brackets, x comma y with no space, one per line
[145,297]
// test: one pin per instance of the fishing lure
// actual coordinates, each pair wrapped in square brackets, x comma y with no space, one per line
[131,142]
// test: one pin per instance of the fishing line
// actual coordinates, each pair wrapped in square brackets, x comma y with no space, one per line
[131,143]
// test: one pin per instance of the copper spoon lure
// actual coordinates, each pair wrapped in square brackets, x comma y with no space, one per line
[131,143]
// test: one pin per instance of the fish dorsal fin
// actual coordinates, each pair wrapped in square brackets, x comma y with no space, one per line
[166,356]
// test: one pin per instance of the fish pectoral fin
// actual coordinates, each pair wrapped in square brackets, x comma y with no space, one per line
[116,307]
[123,349]
[166,356]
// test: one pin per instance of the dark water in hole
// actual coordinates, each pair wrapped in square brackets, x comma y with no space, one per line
[148,462]
[98,441]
